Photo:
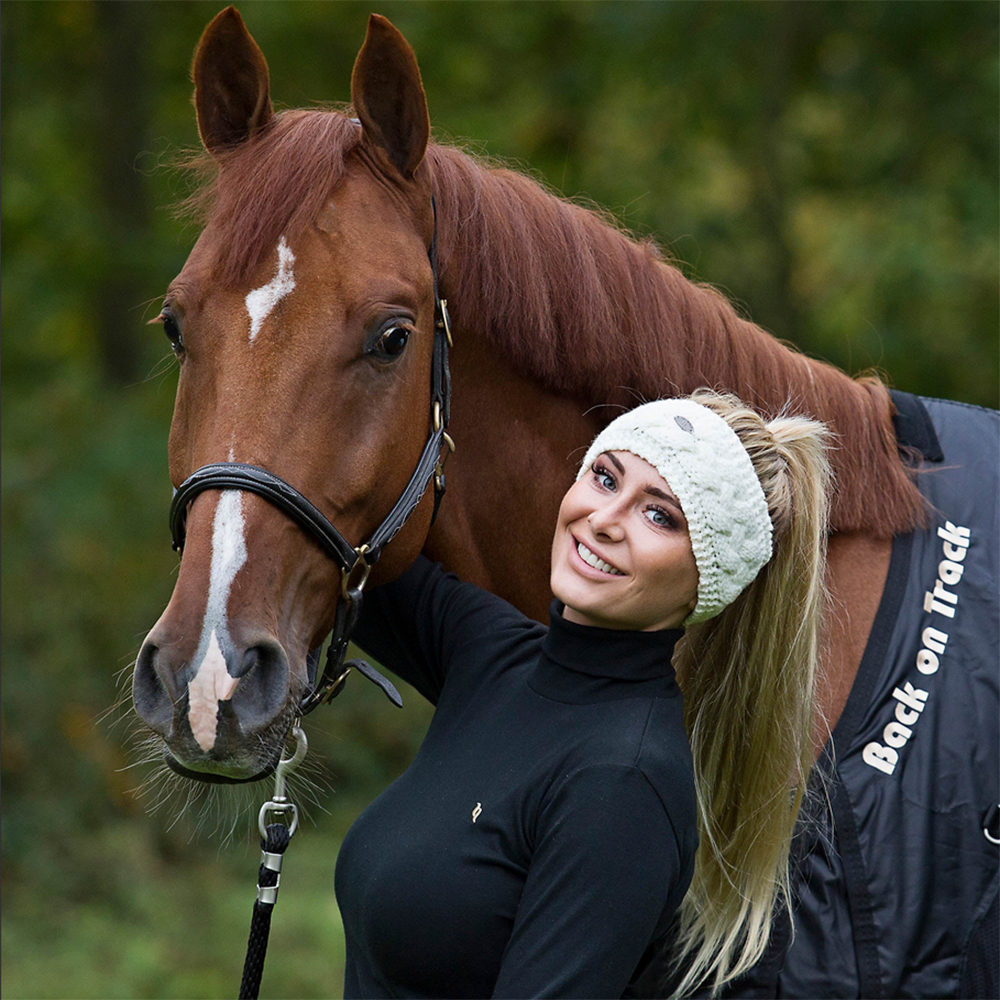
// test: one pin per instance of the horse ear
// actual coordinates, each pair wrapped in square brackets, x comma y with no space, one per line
[389,98]
[231,89]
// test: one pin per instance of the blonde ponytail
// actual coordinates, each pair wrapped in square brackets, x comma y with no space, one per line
[748,678]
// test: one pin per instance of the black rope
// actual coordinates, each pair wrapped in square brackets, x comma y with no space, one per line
[278,838]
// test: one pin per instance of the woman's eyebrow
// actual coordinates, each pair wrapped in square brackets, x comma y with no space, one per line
[614,461]
[656,492]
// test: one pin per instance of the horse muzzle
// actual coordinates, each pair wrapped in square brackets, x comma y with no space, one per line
[222,712]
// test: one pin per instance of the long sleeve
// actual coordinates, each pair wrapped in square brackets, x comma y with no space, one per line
[414,625]
[604,880]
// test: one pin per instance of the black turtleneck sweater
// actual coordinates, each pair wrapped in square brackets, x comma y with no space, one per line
[544,835]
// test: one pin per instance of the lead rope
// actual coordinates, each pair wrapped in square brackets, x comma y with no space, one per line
[274,840]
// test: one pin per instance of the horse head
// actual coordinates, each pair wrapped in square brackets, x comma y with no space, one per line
[303,322]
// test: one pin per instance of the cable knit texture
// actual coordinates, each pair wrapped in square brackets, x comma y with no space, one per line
[703,461]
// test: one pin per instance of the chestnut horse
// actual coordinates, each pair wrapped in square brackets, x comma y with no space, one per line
[303,320]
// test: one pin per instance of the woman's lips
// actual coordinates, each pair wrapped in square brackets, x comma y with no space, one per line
[589,562]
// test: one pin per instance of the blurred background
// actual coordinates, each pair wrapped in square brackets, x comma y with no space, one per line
[832,167]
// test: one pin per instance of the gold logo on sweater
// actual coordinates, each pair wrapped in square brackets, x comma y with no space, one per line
[477,811]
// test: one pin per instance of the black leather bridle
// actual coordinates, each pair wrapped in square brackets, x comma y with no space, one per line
[355,562]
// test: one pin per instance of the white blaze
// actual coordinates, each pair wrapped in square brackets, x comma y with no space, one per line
[212,682]
[262,300]
[211,685]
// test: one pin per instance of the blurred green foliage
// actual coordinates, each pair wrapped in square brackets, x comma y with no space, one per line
[832,166]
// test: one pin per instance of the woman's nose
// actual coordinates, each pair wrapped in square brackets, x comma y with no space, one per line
[606,521]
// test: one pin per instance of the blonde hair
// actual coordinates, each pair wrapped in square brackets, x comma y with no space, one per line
[748,679]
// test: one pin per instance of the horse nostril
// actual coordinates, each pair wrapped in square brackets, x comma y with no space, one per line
[153,703]
[263,686]
[250,659]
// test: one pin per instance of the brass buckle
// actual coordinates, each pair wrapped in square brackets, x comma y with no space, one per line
[445,322]
[448,439]
[336,687]
[346,575]
[439,464]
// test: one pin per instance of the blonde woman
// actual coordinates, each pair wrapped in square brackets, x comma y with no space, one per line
[570,816]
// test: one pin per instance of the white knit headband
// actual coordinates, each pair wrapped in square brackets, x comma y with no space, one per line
[709,470]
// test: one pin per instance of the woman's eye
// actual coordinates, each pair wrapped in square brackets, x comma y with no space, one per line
[604,478]
[391,342]
[659,517]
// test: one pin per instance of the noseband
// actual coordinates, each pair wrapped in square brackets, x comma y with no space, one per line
[355,562]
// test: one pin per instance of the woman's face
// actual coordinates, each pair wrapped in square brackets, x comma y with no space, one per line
[622,516]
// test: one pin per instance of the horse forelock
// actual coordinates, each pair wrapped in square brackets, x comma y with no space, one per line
[568,298]
[272,186]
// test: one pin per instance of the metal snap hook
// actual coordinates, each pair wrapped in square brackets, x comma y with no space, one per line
[279,803]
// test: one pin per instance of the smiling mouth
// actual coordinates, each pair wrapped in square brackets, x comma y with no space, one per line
[595,561]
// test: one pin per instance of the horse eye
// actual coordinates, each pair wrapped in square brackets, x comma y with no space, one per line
[392,342]
[173,332]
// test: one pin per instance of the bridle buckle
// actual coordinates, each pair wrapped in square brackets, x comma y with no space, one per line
[438,424]
[444,323]
[335,688]
[347,575]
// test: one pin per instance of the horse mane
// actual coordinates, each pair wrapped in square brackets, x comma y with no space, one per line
[572,301]
[589,311]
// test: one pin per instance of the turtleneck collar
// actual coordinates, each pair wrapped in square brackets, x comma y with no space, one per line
[583,663]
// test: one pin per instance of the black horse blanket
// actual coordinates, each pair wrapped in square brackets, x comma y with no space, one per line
[896,862]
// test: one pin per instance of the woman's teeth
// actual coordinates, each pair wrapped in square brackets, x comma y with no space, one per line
[588,557]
